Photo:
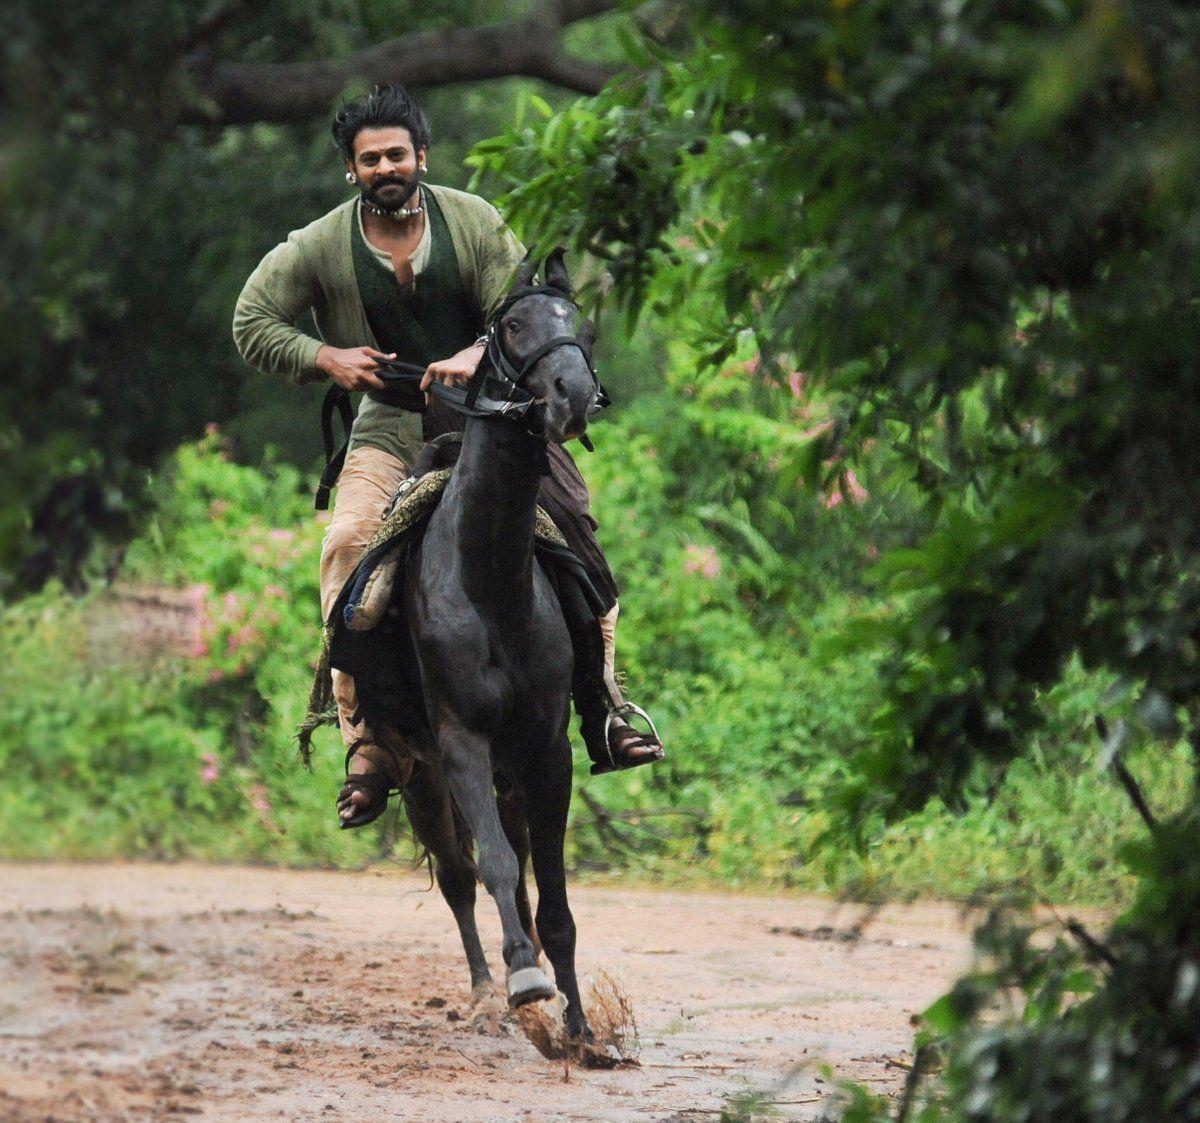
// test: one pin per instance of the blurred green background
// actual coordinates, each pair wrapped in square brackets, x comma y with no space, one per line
[142,455]
[900,305]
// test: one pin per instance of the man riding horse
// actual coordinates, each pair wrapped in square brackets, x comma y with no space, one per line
[411,272]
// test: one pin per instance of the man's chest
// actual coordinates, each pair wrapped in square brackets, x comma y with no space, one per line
[400,246]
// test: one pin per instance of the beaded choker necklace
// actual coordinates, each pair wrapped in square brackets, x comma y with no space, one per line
[391,212]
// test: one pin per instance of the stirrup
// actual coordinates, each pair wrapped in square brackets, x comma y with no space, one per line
[628,709]
[378,785]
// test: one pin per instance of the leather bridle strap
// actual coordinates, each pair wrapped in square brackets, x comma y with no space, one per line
[336,399]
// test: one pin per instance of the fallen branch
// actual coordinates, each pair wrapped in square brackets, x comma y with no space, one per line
[603,822]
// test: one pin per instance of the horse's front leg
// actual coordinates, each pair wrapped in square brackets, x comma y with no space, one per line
[510,801]
[548,792]
[467,760]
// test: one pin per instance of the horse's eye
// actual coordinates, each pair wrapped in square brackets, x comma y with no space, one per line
[512,325]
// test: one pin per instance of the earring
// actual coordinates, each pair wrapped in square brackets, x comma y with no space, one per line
[351,177]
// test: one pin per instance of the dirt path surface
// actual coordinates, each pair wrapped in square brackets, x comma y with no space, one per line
[155,992]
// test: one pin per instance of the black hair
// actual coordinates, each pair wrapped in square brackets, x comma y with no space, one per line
[383,106]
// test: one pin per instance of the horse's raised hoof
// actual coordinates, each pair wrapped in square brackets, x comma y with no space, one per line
[529,984]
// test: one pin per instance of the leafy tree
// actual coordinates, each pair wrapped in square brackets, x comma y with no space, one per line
[975,225]
[152,152]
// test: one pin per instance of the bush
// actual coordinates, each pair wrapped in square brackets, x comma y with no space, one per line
[735,594]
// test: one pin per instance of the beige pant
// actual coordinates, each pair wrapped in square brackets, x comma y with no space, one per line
[365,487]
[367,483]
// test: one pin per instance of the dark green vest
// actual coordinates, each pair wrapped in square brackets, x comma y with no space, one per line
[432,320]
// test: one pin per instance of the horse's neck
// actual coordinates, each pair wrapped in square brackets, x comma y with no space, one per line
[494,492]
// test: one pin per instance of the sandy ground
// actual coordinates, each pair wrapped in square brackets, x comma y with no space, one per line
[156,991]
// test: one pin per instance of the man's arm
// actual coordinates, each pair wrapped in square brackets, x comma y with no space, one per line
[274,298]
[277,294]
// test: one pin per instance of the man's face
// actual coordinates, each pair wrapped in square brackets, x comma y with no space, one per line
[387,166]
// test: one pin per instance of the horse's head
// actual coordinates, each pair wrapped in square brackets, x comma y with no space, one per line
[543,335]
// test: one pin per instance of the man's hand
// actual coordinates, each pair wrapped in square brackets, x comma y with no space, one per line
[455,370]
[352,368]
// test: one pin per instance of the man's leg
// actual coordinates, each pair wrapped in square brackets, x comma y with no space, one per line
[564,495]
[608,630]
[367,483]
[627,745]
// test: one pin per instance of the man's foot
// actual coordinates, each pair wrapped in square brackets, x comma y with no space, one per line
[364,795]
[628,747]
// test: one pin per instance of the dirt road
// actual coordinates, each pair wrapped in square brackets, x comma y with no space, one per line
[155,991]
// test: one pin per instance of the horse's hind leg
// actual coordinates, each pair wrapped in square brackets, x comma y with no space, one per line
[468,763]
[548,791]
[427,801]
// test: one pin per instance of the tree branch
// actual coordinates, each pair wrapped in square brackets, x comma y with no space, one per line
[238,93]
[212,23]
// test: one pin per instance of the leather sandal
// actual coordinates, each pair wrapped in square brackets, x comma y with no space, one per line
[378,785]
[620,740]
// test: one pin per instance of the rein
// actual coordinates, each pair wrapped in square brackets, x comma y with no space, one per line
[511,399]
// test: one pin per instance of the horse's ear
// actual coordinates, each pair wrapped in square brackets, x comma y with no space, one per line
[555,272]
[523,277]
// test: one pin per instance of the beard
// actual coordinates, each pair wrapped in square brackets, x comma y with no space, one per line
[393,193]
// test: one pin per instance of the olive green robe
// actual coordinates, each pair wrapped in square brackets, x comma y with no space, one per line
[314,271]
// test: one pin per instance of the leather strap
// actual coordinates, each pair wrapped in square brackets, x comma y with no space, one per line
[336,399]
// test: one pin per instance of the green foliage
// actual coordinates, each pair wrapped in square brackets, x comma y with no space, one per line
[129,233]
[1054,1024]
[988,267]
[191,756]
[195,756]
[975,226]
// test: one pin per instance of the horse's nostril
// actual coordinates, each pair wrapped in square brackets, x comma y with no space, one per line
[560,386]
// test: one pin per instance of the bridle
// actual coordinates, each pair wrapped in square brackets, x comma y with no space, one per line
[496,390]
[511,398]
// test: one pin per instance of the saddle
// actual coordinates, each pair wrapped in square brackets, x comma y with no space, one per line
[367,633]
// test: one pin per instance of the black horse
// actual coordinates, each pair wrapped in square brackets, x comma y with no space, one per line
[496,658]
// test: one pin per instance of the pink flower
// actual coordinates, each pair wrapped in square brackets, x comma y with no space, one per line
[211,429]
[233,603]
[848,488]
[796,381]
[702,560]
[262,804]
[245,636]
[815,430]
[278,534]
[274,591]
[211,770]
